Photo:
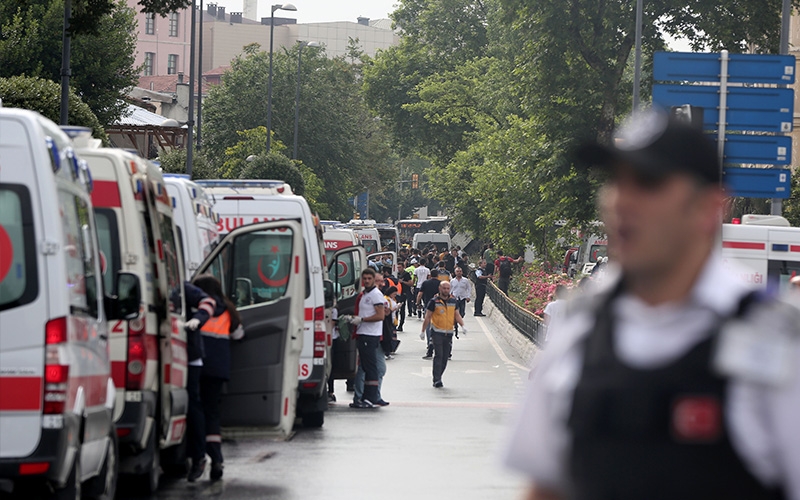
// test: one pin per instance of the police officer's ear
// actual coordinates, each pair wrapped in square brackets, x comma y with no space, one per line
[709,208]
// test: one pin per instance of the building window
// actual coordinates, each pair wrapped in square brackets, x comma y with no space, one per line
[149,23]
[172,64]
[149,60]
[173,24]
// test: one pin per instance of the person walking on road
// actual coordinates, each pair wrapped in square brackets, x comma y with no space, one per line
[369,320]
[481,279]
[441,315]
[422,273]
[217,333]
[406,282]
[649,388]
[461,290]
[555,308]
[427,291]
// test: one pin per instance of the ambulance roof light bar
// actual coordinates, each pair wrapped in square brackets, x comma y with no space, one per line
[765,220]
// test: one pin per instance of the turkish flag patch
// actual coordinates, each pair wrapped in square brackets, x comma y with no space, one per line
[697,419]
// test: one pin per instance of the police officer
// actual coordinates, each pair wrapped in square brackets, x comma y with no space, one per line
[671,379]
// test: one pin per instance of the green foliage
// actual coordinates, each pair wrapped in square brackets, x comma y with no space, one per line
[44,96]
[174,162]
[252,143]
[30,44]
[275,166]
[339,140]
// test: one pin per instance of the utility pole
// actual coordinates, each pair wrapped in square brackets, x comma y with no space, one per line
[66,72]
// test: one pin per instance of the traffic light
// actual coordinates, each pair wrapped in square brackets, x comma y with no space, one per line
[414,181]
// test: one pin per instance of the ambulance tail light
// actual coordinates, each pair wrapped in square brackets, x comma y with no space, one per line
[736,220]
[56,372]
[137,355]
[320,332]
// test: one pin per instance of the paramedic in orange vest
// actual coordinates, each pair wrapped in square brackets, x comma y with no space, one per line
[216,333]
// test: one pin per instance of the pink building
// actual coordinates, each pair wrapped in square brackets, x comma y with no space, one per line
[163,42]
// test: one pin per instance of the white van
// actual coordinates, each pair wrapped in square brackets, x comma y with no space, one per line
[763,250]
[242,202]
[148,352]
[195,218]
[56,390]
[337,238]
[440,240]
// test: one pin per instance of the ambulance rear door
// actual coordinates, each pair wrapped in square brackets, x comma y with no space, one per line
[344,270]
[262,270]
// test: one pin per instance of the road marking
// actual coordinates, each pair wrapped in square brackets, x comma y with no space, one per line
[443,404]
[497,347]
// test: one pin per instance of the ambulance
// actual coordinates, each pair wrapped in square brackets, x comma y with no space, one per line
[57,394]
[195,219]
[336,238]
[763,250]
[148,352]
[243,202]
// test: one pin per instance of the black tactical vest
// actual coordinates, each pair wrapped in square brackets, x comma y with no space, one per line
[652,434]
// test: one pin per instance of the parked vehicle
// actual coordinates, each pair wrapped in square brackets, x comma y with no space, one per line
[440,240]
[241,202]
[195,219]
[56,390]
[337,238]
[763,250]
[148,352]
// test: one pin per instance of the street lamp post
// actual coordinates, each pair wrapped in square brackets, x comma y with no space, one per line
[297,95]
[286,6]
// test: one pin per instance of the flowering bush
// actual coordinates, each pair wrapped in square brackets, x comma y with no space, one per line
[535,286]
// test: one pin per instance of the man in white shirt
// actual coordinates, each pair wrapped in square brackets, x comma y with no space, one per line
[555,308]
[461,290]
[422,273]
[671,379]
[370,314]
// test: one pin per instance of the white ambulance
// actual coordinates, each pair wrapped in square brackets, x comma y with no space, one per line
[762,250]
[195,219]
[56,390]
[243,202]
[336,238]
[148,352]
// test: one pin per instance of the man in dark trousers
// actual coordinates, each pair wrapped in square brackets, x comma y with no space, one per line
[503,266]
[482,277]
[650,387]
[427,290]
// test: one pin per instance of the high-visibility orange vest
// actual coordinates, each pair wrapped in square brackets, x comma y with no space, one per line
[218,326]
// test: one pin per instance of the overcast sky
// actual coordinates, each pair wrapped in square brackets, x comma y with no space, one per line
[317,11]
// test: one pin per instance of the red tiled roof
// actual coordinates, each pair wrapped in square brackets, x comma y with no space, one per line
[168,83]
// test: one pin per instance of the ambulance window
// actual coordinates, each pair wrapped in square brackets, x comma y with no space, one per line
[78,254]
[371,246]
[108,241]
[779,272]
[171,259]
[265,259]
[597,251]
[18,282]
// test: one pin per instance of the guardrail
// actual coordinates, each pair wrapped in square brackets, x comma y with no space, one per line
[523,320]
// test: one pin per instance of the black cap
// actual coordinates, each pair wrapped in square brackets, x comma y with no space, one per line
[657,145]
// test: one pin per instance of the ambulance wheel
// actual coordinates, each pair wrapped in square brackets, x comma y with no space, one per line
[149,480]
[314,419]
[104,485]
[72,489]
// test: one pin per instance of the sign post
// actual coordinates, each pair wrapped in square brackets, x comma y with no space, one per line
[758,115]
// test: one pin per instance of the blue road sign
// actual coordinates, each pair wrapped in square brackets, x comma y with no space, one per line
[757,109]
[757,149]
[705,67]
[757,182]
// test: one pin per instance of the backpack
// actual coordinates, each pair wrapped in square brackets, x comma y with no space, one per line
[505,268]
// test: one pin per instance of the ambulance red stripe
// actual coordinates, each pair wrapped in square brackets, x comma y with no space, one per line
[744,245]
[106,194]
[20,393]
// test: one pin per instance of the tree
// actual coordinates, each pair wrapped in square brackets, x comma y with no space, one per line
[339,140]
[275,166]
[102,61]
[44,96]
[174,162]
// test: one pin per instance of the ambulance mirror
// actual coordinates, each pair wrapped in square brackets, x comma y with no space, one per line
[129,296]
[244,292]
[330,294]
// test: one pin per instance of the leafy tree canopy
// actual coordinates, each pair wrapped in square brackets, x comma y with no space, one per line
[102,61]
[44,96]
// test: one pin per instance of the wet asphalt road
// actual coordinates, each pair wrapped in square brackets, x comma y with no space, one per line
[427,444]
